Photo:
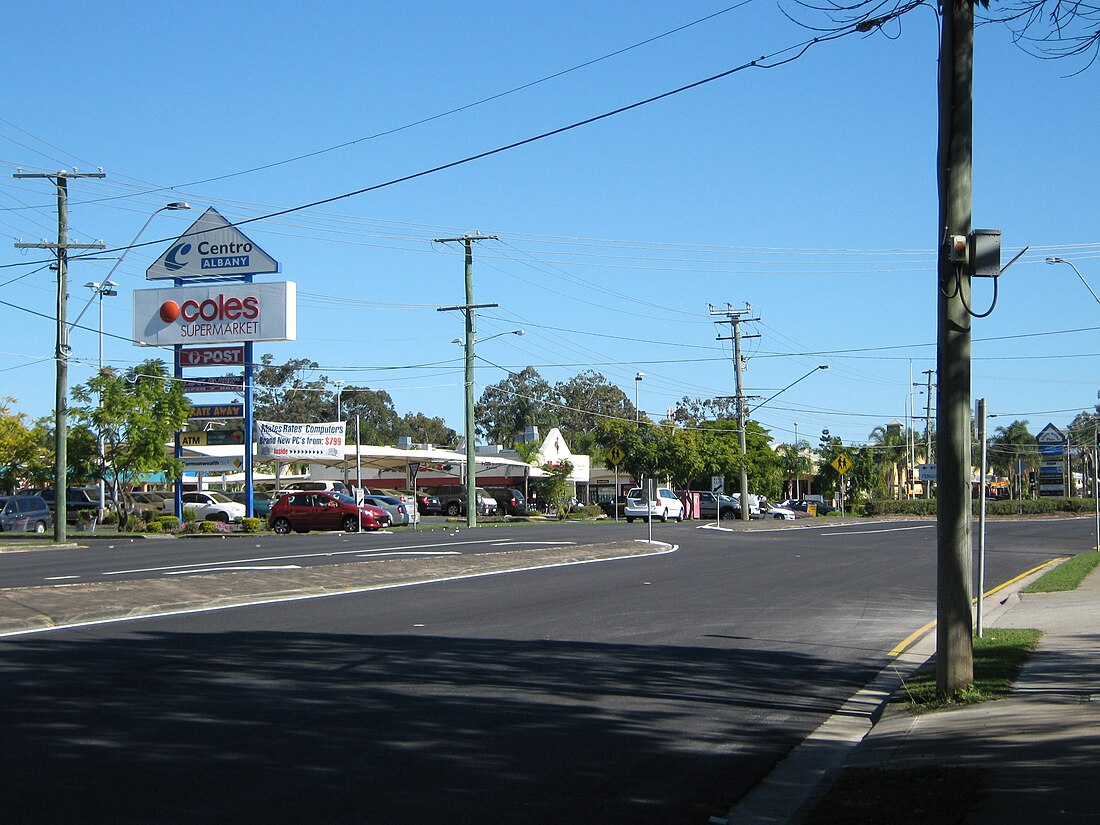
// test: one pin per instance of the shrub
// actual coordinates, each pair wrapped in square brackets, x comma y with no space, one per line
[190,515]
[109,517]
[168,523]
[208,527]
[251,525]
[155,527]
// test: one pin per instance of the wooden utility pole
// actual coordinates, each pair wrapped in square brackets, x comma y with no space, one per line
[734,318]
[61,349]
[468,308]
[954,628]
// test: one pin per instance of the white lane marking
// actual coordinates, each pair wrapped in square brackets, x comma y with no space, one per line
[59,578]
[223,569]
[289,557]
[887,530]
[670,548]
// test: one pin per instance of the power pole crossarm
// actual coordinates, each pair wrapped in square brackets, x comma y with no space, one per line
[735,317]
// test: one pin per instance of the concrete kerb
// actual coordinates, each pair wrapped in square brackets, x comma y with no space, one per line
[31,609]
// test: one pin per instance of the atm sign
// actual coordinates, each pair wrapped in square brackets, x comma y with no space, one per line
[212,356]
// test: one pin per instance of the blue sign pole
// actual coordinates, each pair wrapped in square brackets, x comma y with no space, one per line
[178,452]
[248,426]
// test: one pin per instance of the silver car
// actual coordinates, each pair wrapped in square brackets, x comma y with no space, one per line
[397,510]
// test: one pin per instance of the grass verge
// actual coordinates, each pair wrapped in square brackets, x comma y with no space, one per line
[1066,576]
[998,657]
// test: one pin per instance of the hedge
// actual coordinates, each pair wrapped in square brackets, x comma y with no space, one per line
[1000,507]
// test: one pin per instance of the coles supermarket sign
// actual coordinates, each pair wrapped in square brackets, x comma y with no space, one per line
[216,314]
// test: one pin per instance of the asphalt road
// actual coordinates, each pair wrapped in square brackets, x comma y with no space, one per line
[651,690]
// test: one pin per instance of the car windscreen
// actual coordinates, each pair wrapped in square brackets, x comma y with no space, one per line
[344,499]
[221,498]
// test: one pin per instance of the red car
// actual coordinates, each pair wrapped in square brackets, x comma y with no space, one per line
[305,511]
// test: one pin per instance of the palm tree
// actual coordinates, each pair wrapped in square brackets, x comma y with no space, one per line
[890,448]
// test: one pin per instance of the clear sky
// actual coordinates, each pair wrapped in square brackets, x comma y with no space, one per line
[806,190]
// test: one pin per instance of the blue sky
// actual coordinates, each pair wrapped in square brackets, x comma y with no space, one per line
[806,190]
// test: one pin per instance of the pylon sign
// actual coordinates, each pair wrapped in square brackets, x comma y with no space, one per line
[211,248]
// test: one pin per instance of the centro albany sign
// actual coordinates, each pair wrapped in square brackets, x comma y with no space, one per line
[216,314]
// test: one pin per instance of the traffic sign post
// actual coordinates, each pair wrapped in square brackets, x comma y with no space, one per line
[842,464]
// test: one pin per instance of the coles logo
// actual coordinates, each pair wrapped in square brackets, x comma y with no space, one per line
[221,308]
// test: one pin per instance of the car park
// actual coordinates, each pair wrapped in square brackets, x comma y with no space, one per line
[320,485]
[24,514]
[301,511]
[427,504]
[209,505]
[510,501]
[77,500]
[716,506]
[664,505]
[401,515]
[453,499]
[613,507]
[261,502]
[408,499]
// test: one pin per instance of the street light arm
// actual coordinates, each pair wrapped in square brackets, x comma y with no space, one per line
[803,378]
[1079,275]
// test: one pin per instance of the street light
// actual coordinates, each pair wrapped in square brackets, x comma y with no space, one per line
[339,388]
[803,378]
[491,337]
[104,289]
[637,383]
[1055,260]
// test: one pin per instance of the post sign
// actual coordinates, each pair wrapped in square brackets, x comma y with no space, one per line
[616,455]
[211,248]
[717,484]
[283,441]
[212,438]
[216,314]
[842,464]
[212,357]
[211,464]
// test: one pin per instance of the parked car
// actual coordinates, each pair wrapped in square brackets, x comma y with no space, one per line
[715,506]
[303,511]
[25,514]
[510,501]
[261,502]
[613,507]
[401,515]
[803,505]
[209,505]
[779,512]
[453,499]
[77,500]
[664,505]
[427,504]
[408,499]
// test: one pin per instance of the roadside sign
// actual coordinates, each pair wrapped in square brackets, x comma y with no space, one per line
[212,357]
[927,471]
[211,464]
[211,248]
[216,411]
[717,484]
[212,438]
[616,455]
[842,464]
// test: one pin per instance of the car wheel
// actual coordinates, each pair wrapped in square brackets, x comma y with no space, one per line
[681,516]
[351,524]
[630,519]
[40,527]
[727,514]
[453,509]
[281,526]
[664,516]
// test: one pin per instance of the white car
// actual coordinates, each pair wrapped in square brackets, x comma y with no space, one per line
[665,505]
[209,505]
[777,511]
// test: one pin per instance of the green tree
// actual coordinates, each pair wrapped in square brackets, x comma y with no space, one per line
[890,452]
[137,414]
[555,487]
[378,420]
[1008,447]
[18,447]
[424,430]
[506,408]
[283,392]
[586,399]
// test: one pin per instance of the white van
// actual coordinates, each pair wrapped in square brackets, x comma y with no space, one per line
[316,487]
